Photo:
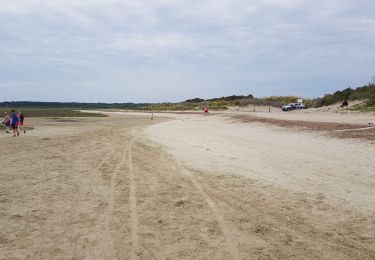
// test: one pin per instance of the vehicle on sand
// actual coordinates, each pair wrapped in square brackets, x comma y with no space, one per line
[293,106]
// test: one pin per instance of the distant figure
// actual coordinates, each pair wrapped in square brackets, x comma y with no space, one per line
[205,109]
[345,103]
[6,122]
[14,123]
[20,123]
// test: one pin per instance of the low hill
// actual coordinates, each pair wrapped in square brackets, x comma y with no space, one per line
[366,93]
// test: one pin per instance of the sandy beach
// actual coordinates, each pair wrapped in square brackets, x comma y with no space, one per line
[231,185]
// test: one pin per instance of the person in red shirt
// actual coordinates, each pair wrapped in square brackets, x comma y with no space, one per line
[20,123]
[205,109]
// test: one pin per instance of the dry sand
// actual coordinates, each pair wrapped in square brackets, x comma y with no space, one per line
[185,186]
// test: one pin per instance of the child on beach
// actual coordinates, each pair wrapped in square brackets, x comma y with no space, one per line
[205,109]
[6,122]
[20,123]
[14,124]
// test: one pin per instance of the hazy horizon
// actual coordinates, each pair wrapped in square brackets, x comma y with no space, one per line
[169,51]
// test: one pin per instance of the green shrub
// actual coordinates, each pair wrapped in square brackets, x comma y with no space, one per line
[219,104]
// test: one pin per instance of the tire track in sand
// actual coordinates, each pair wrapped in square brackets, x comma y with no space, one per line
[126,161]
[110,207]
[229,238]
[135,250]
[108,215]
[98,169]
[97,172]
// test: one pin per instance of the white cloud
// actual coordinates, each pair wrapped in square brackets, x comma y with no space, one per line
[141,42]
[225,39]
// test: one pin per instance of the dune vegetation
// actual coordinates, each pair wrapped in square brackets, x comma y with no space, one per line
[366,93]
[71,109]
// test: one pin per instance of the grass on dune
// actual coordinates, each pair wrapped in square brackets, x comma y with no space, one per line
[363,108]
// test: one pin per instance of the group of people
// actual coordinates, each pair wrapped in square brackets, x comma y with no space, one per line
[14,121]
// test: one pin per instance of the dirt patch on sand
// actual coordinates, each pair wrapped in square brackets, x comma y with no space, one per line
[366,134]
[339,130]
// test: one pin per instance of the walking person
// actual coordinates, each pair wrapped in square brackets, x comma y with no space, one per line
[20,123]
[14,124]
[6,122]
[205,109]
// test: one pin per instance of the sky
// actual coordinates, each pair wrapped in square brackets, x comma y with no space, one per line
[171,50]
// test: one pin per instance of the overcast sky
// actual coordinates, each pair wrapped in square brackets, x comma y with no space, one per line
[170,50]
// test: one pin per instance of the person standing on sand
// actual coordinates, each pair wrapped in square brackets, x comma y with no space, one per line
[15,121]
[6,122]
[205,109]
[20,124]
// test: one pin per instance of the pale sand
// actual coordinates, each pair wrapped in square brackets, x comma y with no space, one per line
[185,187]
[323,114]
[343,170]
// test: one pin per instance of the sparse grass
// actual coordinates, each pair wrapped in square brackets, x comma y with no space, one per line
[51,112]
[184,106]
[170,107]
[363,108]
[274,101]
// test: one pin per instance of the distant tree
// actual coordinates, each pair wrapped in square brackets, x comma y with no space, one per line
[195,100]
